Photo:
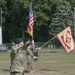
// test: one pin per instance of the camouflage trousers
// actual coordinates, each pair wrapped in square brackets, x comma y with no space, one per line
[30,62]
[16,73]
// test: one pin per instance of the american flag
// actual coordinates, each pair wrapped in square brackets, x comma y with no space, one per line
[31,22]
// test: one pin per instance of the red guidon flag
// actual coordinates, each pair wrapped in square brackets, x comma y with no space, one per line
[66,39]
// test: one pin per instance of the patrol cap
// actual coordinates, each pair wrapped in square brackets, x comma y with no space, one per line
[18,40]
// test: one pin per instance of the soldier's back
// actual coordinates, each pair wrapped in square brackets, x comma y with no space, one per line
[17,63]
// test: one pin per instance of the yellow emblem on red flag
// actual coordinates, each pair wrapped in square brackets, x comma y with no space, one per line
[66,39]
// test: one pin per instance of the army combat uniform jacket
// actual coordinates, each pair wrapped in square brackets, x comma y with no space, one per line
[17,59]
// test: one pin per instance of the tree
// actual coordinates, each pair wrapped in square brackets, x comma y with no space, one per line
[15,20]
[62,18]
[42,16]
[72,3]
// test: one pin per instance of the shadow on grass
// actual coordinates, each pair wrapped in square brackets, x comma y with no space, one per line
[5,70]
[48,70]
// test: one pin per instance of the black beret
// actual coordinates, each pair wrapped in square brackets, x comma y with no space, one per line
[18,40]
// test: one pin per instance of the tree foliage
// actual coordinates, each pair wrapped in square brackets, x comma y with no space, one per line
[42,16]
[63,17]
[15,18]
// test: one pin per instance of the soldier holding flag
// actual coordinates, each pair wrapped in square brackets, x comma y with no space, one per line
[29,55]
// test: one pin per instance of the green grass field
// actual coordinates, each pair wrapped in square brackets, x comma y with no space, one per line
[47,64]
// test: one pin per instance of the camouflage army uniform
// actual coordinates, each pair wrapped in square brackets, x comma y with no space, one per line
[29,56]
[17,61]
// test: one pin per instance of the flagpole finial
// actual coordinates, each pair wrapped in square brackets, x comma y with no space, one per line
[31,3]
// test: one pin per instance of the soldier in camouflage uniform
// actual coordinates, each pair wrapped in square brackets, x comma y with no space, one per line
[29,55]
[17,58]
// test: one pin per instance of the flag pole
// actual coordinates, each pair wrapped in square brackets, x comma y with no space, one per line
[33,39]
[32,33]
[47,42]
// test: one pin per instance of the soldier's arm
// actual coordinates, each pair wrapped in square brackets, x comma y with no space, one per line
[15,48]
[30,52]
